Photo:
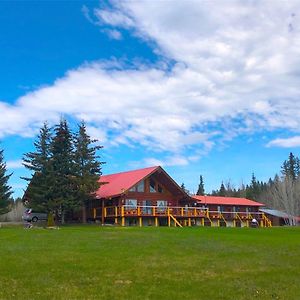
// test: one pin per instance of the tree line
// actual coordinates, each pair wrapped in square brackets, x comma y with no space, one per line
[65,171]
[281,192]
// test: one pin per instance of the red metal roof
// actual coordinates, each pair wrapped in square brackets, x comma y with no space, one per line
[116,184]
[225,201]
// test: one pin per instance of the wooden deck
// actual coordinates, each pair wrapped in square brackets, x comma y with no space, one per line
[180,216]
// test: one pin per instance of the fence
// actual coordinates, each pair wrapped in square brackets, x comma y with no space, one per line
[15,214]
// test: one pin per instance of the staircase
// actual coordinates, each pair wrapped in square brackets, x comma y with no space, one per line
[267,221]
[175,220]
[222,217]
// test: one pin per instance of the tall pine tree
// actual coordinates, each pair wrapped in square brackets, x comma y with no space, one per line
[291,167]
[87,167]
[254,190]
[222,191]
[38,192]
[5,189]
[201,191]
[63,196]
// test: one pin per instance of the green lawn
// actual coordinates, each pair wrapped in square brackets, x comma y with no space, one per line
[92,262]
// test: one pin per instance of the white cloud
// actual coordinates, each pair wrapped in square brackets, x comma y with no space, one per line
[114,18]
[236,69]
[167,162]
[285,143]
[14,164]
[113,34]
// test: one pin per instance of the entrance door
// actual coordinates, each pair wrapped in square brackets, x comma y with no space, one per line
[147,210]
[161,206]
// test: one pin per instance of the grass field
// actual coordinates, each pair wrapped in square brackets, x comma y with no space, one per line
[92,262]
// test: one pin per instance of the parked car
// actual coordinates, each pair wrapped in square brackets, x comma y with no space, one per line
[32,216]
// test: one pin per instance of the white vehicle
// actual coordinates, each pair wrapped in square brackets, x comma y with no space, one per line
[31,216]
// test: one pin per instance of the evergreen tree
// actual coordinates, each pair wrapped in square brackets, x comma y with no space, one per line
[38,162]
[291,167]
[254,188]
[222,191]
[63,196]
[201,190]
[87,167]
[184,188]
[5,189]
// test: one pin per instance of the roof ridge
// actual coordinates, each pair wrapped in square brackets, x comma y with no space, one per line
[154,167]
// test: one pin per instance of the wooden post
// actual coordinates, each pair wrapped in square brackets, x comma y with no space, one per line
[94,213]
[202,221]
[102,217]
[169,221]
[140,221]
[189,222]
[156,221]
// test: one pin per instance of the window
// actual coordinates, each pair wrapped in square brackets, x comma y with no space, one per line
[152,186]
[130,203]
[161,205]
[220,208]
[160,189]
[236,209]
[140,186]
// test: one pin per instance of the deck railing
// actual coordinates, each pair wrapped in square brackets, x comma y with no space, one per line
[183,214]
[152,211]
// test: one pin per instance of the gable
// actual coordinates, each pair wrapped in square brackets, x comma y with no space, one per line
[116,184]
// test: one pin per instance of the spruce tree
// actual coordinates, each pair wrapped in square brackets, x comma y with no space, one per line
[222,191]
[5,189]
[87,167]
[63,198]
[201,190]
[291,167]
[184,188]
[38,162]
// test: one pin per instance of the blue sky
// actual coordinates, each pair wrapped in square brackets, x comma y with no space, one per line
[207,88]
